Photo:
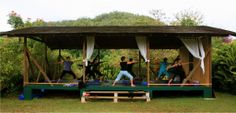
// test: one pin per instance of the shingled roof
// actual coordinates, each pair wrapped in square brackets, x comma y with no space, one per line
[114,36]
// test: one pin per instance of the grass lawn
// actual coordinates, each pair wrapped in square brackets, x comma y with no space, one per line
[223,103]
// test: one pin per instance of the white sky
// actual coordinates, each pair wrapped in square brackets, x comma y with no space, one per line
[217,13]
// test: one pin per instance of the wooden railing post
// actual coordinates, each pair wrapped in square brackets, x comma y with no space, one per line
[84,57]
[25,64]
[148,62]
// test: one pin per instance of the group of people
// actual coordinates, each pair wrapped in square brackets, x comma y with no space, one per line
[92,69]
[174,71]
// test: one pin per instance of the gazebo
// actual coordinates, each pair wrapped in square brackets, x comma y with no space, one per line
[194,44]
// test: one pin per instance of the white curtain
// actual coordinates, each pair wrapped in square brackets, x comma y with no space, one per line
[142,45]
[195,47]
[90,48]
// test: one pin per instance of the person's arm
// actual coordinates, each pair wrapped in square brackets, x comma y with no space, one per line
[171,66]
[71,62]
[60,62]
[132,62]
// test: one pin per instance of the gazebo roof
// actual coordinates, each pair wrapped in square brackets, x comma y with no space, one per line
[116,37]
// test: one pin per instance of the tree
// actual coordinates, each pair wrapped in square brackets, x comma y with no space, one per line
[158,14]
[15,20]
[111,19]
[188,18]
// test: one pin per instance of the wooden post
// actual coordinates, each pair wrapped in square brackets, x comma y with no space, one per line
[148,62]
[30,66]
[147,96]
[25,64]
[139,64]
[209,63]
[59,67]
[46,57]
[115,97]
[37,80]
[84,57]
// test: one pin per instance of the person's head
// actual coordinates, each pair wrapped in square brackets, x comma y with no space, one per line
[96,60]
[67,58]
[122,58]
[165,59]
[177,60]
[130,59]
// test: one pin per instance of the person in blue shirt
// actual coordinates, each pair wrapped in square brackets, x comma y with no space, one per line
[67,68]
[163,69]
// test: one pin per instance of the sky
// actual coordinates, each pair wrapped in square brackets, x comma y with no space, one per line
[216,13]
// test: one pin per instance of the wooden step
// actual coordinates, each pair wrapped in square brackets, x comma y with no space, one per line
[115,96]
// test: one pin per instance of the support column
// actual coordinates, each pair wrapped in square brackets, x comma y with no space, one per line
[148,62]
[46,57]
[59,66]
[27,93]
[139,64]
[84,57]
[25,64]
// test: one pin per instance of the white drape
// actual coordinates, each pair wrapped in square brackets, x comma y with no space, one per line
[142,45]
[195,47]
[90,48]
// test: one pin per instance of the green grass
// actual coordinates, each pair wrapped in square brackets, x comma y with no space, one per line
[223,103]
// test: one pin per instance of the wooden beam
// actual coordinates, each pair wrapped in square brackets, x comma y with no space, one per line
[148,63]
[52,83]
[59,66]
[36,39]
[194,69]
[39,67]
[37,80]
[46,58]
[156,84]
[210,60]
[25,64]
[139,64]
[39,74]
[30,66]
[84,57]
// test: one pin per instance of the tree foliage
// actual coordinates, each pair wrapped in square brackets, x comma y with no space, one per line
[10,64]
[15,20]
[111,19]
[188,18]
[224,66]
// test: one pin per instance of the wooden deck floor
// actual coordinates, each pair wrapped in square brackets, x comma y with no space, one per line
[207,91]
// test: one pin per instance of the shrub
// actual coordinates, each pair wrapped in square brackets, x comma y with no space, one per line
[224,68]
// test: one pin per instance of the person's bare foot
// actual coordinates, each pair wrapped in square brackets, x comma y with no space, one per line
[132,85]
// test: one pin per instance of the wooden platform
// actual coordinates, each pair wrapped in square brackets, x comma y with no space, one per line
[115,95]
[28,89]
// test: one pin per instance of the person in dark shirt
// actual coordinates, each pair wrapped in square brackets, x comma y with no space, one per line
[176,71]
[123,71]
[130,67]
[95,68]
[92,69]
[67,68]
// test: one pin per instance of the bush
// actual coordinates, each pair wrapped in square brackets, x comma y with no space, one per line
[224,68]
[11,65]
